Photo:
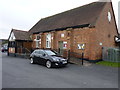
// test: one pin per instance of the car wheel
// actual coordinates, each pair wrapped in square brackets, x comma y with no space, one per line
[31,61]
[48,64]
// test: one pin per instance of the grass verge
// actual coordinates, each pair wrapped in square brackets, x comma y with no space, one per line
[106,63]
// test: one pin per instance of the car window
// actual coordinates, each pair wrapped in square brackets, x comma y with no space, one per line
[36,51]
[41,52]
[49,52]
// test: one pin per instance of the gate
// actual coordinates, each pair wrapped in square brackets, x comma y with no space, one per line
[111,54]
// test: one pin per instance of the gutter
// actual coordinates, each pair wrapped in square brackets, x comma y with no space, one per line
[61,29]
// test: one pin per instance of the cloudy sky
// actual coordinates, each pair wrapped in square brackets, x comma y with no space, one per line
[23,14]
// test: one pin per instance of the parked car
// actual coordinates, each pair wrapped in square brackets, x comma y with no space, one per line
[49,58]
[4,49]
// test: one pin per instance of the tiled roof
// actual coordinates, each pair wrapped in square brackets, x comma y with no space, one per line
[86,14]
[21,35]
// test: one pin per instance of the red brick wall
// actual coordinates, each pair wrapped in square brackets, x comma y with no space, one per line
[82,36]
[27,45]
[105,31]
[33,44]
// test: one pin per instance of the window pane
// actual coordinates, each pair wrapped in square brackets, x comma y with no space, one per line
[49,52]
[48,41]
[37,44]
[41,52]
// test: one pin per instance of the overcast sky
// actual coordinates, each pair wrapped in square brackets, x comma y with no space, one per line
[23,14]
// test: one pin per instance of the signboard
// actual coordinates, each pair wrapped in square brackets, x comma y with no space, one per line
[81,46]
[64,45]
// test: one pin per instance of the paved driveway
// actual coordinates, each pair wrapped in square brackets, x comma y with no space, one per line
[19,73]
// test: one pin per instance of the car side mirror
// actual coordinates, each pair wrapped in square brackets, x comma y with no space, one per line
[44,54]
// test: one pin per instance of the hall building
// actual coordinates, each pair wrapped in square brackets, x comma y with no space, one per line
[86,29]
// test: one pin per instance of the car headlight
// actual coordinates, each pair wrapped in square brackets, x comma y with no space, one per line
[56,59]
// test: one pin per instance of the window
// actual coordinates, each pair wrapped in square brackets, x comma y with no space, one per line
[48,41]
[109,16]
[37,44]
[38,39]
[11,44]
[62,35]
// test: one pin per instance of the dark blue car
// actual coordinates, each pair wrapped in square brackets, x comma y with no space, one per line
[49,58]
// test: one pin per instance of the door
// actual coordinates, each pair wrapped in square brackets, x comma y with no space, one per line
[60,43]
[37,57]
[42,58]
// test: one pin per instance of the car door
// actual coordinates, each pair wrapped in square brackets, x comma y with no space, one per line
[38,57]
[43,57]
[34,55]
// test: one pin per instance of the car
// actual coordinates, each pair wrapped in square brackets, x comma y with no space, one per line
[3,49]
[49,58]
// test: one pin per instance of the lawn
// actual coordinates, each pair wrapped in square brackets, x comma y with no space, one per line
[106,63]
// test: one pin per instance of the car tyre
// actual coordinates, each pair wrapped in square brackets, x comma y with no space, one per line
[31,61]
[48,64]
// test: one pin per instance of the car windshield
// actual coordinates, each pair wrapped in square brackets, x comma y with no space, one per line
[49,52]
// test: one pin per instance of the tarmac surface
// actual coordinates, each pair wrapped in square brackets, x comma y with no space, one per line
[19,73]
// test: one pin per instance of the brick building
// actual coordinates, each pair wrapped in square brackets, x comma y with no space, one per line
[19,42]
[84,29]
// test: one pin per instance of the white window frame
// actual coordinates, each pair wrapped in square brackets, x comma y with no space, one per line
[38,40]
[48,40]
